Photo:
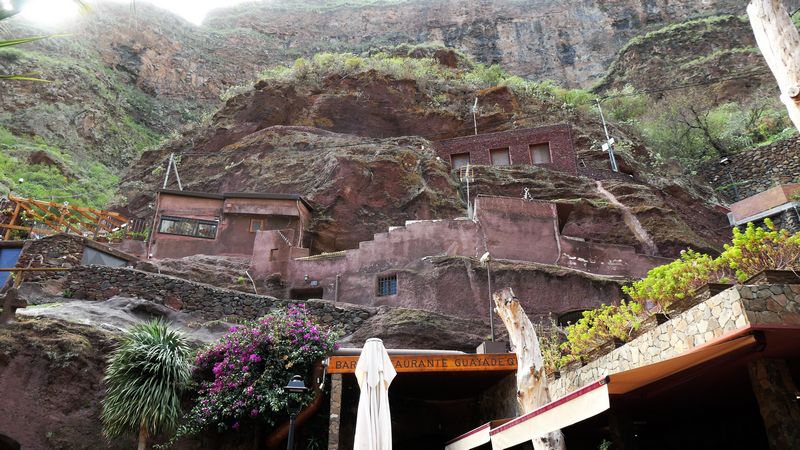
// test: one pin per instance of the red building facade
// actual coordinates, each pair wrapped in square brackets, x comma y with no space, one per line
[549,147]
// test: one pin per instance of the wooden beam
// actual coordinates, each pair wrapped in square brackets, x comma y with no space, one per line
[532,382]
[12,221]
[63,220]
[779,41]
[31,229]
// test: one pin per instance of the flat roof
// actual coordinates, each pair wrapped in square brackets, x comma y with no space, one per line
[472,137]
[259,195]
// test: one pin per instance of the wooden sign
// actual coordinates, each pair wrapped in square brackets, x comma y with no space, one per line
[434,363]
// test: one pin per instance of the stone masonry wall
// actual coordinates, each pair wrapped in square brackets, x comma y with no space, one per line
[756,170]
[102,283]
[733,309]
[59,250]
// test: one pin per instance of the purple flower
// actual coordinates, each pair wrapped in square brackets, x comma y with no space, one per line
[217,369]
[235,425]
[255,358]
[254,413]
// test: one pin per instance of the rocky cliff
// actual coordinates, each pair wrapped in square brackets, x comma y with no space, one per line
[336,134]
[123,78]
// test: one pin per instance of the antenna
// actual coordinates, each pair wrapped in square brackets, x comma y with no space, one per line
[171,165]
[474,115]
[609,145]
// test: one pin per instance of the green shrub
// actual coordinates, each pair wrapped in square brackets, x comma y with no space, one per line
[761,248]
[671,282]
[751,251]
[600,325]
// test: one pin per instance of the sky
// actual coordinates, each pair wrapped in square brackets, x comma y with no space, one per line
[52,12]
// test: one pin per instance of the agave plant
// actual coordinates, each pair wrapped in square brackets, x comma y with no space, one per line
[145,378]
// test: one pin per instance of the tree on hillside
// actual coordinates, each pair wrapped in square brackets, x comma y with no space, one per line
[692,125]
[145,378]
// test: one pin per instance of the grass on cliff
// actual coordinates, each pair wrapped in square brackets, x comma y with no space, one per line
[435,78]
[82,184]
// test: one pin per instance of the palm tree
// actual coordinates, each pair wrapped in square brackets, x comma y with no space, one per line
[145,377]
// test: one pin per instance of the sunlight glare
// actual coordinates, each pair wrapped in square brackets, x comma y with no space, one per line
[49,12]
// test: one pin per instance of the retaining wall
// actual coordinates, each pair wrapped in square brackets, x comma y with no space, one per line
[756,170]
[733,309]
[102,283]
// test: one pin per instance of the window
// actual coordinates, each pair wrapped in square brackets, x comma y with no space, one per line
[540,153]
[569,318]
[500,157]
[387,285]
[188,227]
[459,160]
[256,225]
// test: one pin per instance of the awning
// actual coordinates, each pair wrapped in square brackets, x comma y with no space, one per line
[594,398]
[572,408]
[474,438]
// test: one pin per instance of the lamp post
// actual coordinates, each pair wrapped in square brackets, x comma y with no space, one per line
[725,162]
[487,259]
[295,386]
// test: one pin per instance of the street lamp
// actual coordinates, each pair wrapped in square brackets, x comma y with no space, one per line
[725,162]
[295,386]
[487,259]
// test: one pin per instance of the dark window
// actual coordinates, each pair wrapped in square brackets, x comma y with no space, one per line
[570,318]
[188,227]
[305,293]
[540,153]
[256,225]
[459,160]
[500,157]
[387,285]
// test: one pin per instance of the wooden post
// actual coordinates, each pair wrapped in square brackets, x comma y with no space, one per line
[12,222]
[779,42]
[531,378]
[777,400]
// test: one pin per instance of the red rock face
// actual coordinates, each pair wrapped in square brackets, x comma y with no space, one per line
[360,185]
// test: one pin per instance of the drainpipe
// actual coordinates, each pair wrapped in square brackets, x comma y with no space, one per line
[276,438]
[336,288]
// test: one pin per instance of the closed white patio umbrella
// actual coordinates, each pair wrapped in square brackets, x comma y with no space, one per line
[375,373]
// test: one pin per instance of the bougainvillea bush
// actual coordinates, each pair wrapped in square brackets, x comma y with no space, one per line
[240,378]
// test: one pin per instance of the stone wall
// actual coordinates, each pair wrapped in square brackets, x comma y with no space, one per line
[755,170]
[102,283]
[736,308]
[60,250]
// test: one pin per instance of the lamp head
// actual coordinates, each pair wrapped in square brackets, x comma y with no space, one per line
[296,385]
[486,258]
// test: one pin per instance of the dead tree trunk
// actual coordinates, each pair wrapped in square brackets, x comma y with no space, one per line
[779,42]
[531,379]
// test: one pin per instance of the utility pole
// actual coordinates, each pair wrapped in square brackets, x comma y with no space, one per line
[779,42]
[475,115]
[609,145]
